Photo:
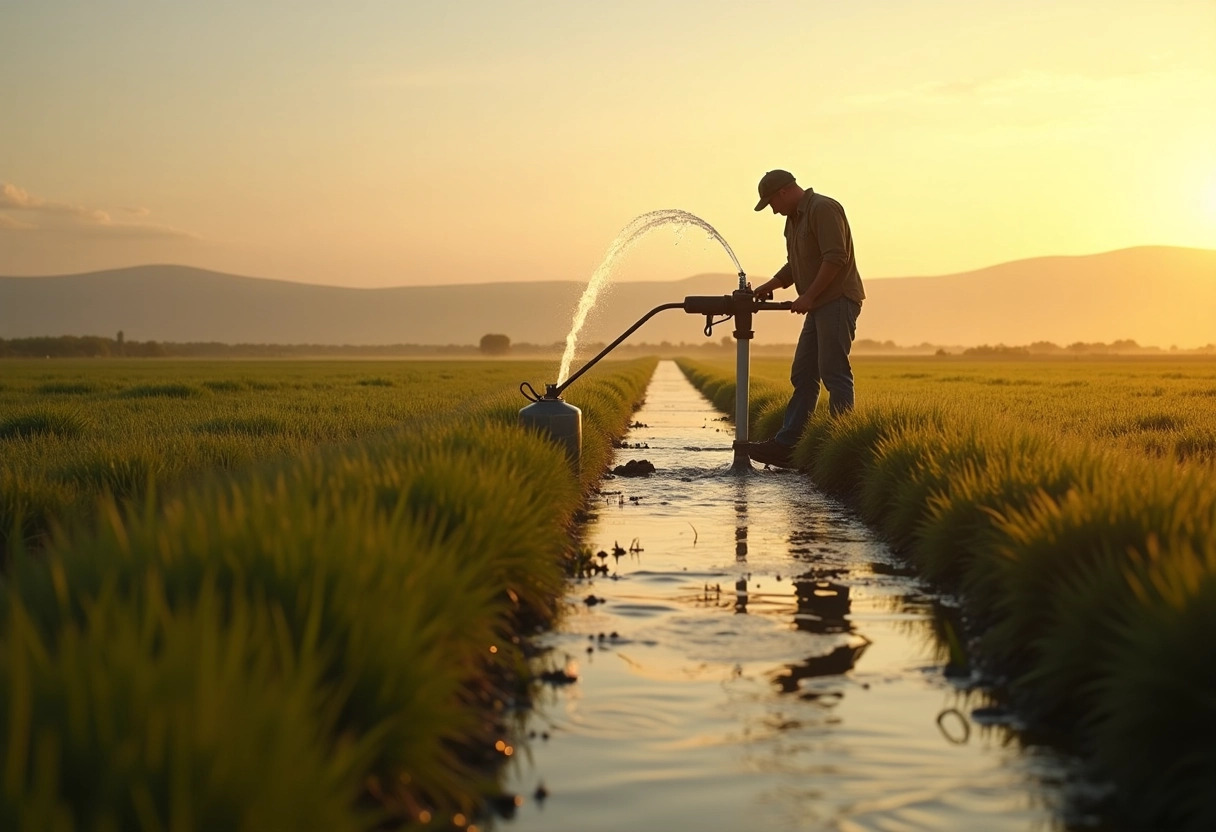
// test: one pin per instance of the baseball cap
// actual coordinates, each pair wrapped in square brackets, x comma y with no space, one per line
[770,183]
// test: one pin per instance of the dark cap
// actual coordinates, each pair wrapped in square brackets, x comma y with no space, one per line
[770,183]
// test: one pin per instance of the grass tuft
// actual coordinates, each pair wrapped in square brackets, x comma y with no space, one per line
[166,391]
[67,388]
[227,385]
[248,426]
[59,423]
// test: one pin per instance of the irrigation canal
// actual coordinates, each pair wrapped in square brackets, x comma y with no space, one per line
[762,662]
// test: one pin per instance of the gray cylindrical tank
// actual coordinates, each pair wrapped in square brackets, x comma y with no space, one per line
[560,421]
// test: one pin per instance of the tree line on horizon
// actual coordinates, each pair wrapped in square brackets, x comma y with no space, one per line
[97,346]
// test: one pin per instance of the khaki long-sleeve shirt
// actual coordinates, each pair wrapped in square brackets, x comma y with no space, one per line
[816,233]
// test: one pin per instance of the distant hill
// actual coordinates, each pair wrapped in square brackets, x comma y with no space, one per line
[1154,295]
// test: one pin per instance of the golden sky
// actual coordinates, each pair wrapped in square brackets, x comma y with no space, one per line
[400,142]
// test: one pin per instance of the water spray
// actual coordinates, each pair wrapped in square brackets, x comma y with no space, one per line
[634,230]
[563,422]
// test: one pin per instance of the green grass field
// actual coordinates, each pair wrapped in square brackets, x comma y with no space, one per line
[278,595]
[1152,406]
[1072,505]
[70,430]
[291,593]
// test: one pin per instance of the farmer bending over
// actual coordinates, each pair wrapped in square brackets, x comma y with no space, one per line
[821,266]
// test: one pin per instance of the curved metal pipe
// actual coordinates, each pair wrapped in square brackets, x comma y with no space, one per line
[555,391]
[709,305]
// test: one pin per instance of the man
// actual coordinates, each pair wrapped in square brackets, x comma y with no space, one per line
[821,266]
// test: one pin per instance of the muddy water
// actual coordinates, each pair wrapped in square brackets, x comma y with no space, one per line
[762,661]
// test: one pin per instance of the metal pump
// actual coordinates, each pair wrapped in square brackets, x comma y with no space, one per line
[563,422]
[560,421]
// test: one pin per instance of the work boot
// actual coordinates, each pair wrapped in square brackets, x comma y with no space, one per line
[771,452]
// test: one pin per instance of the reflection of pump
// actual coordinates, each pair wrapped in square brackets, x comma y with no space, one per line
[741,524]
[822,606]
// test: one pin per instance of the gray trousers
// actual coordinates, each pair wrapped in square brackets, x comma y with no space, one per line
[822,355]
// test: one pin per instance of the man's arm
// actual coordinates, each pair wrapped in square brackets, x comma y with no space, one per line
[828,226]
[827,273]
[783,278]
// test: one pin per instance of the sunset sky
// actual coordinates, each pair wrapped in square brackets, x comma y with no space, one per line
[389,142]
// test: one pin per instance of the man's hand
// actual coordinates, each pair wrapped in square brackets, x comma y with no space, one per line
[765,290]
[801,304]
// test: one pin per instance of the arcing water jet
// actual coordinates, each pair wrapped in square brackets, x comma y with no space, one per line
[562,421]
[636,229]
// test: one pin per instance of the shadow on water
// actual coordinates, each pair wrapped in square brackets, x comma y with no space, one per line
[755,657]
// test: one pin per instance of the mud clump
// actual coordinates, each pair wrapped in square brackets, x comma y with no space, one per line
[634,468]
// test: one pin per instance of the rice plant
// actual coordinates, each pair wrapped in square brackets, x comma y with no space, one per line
[365,599]
[129,424]
[191,719]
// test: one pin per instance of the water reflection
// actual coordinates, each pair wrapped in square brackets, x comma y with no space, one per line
[741,520]
[822,608]
[741,543]
[823,595]
[937,626]
[822,605]
[837,663]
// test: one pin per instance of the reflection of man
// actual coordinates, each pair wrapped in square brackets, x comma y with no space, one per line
[823,609]
[836,663]
[821,265]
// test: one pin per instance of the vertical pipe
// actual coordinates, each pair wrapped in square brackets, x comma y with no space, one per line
[743,343]
[742,379]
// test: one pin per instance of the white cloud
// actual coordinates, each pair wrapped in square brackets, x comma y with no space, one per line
[10,224]
[50,216]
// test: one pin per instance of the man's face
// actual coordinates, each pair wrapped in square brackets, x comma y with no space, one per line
[785,201]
